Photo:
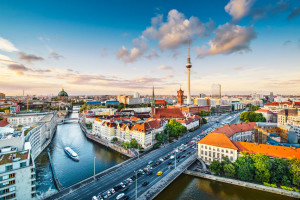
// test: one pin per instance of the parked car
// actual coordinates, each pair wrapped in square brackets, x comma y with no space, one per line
[124,189]
[149,173]
[159,173]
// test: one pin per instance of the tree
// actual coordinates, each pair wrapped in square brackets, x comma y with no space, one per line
[244,167]
[295,169]
[279,169]
[251,116]
[175,129]
[134,143]
[125,144]
[262,167]
[114,140]
[216,167]
[229,170]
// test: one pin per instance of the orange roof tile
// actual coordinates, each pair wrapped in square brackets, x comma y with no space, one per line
[168,113]
[263,111]
[217,139]
[269,150]
[230,130]
[3,122]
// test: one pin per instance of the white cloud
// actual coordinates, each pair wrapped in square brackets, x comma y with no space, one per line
[131,55]
[6,45]
[239,8]
[229,38]
[6,59]
[175,31]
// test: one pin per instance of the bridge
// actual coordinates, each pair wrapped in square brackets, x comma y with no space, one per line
[111,177]
[68,120]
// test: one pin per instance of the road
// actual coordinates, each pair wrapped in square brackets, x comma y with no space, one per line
[110,180]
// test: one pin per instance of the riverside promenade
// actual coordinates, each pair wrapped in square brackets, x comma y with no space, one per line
[244,184]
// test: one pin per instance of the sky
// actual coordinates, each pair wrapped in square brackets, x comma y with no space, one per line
[121,47]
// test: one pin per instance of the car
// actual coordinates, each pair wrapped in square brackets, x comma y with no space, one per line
[159,173]
[94,198]
[183,156]
[133,178]
[124,189]
[148,173]
[178,161]
[189,152]
[145,183]
[120,196]
[170,167]
[172,157]
[150,162]
[161,159]
[108,193]
[169,163]
[112,191]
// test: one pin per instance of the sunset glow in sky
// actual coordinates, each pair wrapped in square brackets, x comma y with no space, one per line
[114,47]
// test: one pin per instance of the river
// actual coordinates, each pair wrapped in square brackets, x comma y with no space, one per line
[186,187]
[67,170]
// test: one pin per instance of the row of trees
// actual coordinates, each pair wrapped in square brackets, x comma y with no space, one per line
[173,129]
[251,116]
[204,113]
[260,168]
[253,108]
[132,144]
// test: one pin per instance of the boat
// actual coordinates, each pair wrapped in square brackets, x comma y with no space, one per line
[71,153]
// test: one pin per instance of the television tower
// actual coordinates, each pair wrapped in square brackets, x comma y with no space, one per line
[189,66]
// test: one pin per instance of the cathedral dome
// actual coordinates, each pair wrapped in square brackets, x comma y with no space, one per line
[62,93]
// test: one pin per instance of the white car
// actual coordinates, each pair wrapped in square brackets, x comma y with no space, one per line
[172,157]
[162,160]
[120,196]
[94,198]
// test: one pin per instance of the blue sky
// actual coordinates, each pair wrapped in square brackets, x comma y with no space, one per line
[114,47]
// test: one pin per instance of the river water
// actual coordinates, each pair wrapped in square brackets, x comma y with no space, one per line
[67,170]
[186,187]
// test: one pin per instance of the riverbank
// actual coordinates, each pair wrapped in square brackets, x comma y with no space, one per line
[245,184]
[126,152]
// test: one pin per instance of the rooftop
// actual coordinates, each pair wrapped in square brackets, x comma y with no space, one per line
[217,139]
[13,157]
[230,130]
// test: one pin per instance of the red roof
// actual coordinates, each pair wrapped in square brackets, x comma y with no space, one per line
[269,150]
[168,113]
[230,130]
[272,104]
[263,111]
[3,122]
[160,102]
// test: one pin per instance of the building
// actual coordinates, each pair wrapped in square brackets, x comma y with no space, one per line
[17,174]
[276,107]
[263,130]
[191,122]
[238,132]
[4,123]
[289,117]
[216,146]
[2,96]
[136,95]
[144,132]
[111,103]
[270,116]
[216,91]
[160,102]
[201,102]
[167,113]
[180,97]
[122,99]
[271,97]
[62,96]
[134,101]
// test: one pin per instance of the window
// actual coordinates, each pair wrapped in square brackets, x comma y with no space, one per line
[231,152]
[222,150]
[12,189]
[226,151]
[218,149]
[201,152]
[8,168]
[23,164]
[231,158]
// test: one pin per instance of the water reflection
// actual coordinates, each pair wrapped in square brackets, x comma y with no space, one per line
[190,188]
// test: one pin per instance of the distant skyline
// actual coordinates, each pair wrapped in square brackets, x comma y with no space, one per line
[121,47]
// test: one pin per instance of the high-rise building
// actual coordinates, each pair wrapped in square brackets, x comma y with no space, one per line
[202,95]
[189,66]
[2,96]
[271,96]
[216,91]
[136,95]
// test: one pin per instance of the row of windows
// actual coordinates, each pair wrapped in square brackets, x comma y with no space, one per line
[216,149]
[8,196]
[11,189]
[213,154]
[7,183]
[211,159]
[2,178]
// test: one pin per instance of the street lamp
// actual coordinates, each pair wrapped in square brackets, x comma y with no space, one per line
[175,157]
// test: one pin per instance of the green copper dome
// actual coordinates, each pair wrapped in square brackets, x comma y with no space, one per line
[62,93]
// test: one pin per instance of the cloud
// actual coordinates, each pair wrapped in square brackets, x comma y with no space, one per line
[164,67]
[29,57]
[126,55]
[6,45]
[175,53]
[239,8]
[20,69]
[6,59]
[55,55]
[177,30]
[152,54]
[238,68]
[294,13]
[229,38]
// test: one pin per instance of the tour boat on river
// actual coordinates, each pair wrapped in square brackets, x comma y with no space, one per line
[71,153]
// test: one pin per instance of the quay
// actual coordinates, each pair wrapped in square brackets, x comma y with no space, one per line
[57,184]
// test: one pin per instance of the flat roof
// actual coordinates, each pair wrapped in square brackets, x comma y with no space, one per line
[10,157]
